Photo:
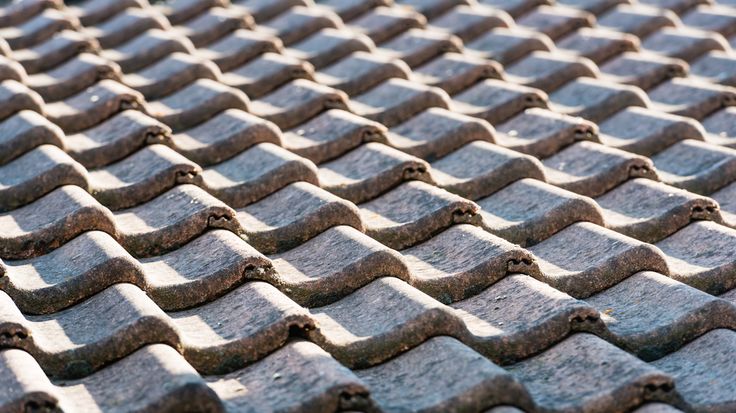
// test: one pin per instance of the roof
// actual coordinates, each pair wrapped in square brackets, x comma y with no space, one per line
[368,205]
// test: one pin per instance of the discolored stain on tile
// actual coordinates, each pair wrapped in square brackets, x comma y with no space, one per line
[238,48]
[549,71]
[696,166]
[266,73]
[26,130]
[396,100]
[638,19]
[506,45]
[454,72]
[383,23]
[598,44]
[170,74]
[73,76]
[497,101]
[595,100]
[328,46]
[469,22]
[361,71]
[146,48]
[417,46]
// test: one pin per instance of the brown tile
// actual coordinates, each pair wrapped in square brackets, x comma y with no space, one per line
[549,71]
[38,28]
[638,19]
[16,97]
[361,71]
[18,12]
[508,45]
[414,212]
[328,46]
[691,98]
[529,211]
[263,10]
[332,133]
[542,133]
[383,23]
[224,136]
[238,48]
[179,11]
[684,43]
[125,25]
[417,46]
[214,24]
[585,372]
[63,46]
[396,100]
[115,138]
[592,169]
[255,173]
[171,74]
[91,12]
[646,131]
[436,132]
[462,261]
[73,76]
[196,103]
[24,131]
[469,22]
[715,67]
[584,259]
[297,102]
[10,69]
[650,211]
[442,374]
[298,22]
[479,169]
[312,210]
[642,69]
[36,173]
[171,220]
[496,100]
[454,72]
[595,100]
[556,21]
[598,44]
[266,73]
[147,48]
[370,170]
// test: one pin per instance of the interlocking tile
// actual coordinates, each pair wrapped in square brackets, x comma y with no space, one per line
[691,98]
[592,169]
[170,74]
[312,210]
[36,173]
[644,70]
[585,372]
[431,8]
[598,44]
[258,322]
[196,103]
[266,73]
[142,176]
[350,9]
[24,131]
[454,72]
[516,8]
[479,169]
[436,132]
[10,69]
[383,23]
[469,22]
[15,97]
[701,255]
[179,11]
[115,138]
[370,170]
[328,46]
[331,134]
[442,374]
[72,76]
[595,99]
[38,28]
[683,43]
[78,269]
[50,221]
[297,102]
[496,101]
[638,19]
[255,173]
[26,385]
[725,197]
[720,127]
[506,45]
[93,12]
[529,211]
[650,211]
[677,6]
[378,321]
[413,212]
[556,21]
[214,24]
[715,18]
[697,166]
[463,260]
[75,342]
[705,360]
[397,100]
[202,270]
[652,315]
[361,71]
[299,22]
[126,24]
[93,105]
[146,48]
[646,131]
[263,10]
[716,67]
[519,316]
[224,136]
[171,220]
[542,133]
[549,71]
[18,12]
[596,7]
[417,46]
[54,51]
[238,48]
[584,259]
[299,376]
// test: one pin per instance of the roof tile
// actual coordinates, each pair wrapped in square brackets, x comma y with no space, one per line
[73,76]
[469,22]
[496,100]
[298,22]
[383,23]
[63,46]
[266,73]
[556,21]
[147,48]
[215,23]
[696,166]
[594,99]
[417,46]
[506,45]
[638,19]
[238,48]
[24,131]
[682,43]
[170,74]
[598,44]
[361,71]
[126,24]
[644,70]
[328,46]
[15,97]
[454,72]
[396,100]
